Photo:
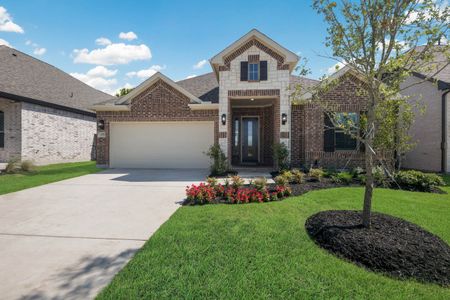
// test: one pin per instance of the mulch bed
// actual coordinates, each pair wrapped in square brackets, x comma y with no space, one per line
[392,246]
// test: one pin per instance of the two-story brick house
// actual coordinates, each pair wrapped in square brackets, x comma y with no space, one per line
[244,105]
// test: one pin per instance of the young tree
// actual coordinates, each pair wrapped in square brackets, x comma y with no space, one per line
[383,42]
[123,92]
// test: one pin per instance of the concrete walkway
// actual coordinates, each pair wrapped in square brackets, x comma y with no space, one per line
[67,240]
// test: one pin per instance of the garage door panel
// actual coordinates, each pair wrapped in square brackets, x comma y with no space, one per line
[160,145]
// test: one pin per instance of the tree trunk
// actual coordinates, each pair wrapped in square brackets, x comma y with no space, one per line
[369,188]
[369,157]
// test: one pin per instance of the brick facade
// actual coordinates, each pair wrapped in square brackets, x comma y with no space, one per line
[159,102]
[13,132]
[308,126]
[46,135]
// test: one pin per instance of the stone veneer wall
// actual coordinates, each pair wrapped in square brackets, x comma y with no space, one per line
[277,79]
[13,125]
[159,102]
[308,126]
[54,136]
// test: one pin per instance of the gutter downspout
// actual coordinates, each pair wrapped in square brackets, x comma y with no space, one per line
[444,133]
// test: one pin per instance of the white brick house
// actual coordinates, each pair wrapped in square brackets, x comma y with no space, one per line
[44,115]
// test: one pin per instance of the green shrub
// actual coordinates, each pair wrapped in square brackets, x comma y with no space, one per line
[316,174]
[219,165]
[297,176]
[236,181]
[13,166]
[28,166]
[260,183]
[281,180]
[329,173]
[212,181]
[380,177]
[417,180]
[281,156]
[343,178]
[357,171]
[287,174]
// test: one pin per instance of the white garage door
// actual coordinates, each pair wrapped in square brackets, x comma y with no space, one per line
[168,145]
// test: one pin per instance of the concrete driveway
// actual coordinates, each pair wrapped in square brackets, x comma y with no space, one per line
[67,240]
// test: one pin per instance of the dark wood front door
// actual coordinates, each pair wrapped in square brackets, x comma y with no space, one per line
[250,140]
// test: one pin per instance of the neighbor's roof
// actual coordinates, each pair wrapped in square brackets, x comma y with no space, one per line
[29,78]
[206,88]
[439,67]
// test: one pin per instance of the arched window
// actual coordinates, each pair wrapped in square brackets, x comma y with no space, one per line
[2,129]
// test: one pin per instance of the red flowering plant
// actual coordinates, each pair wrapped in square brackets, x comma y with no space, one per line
[200,194]
[212,191]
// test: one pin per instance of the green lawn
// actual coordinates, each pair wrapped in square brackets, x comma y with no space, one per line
[262,251]
[45,174]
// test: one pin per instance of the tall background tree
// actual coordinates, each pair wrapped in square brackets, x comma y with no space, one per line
[382,42]
[123,92]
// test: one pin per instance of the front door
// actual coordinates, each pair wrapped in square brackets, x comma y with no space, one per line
[250,140]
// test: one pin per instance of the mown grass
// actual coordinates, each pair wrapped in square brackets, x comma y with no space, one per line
[262,251]
[45,174]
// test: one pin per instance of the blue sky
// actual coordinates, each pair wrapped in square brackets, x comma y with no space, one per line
[170,36]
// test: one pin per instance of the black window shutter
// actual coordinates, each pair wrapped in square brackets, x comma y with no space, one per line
[244,70]
[263,70]
[328,134]
[362,114]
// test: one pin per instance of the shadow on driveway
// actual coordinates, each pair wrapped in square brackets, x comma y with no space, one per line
[83,280]
[158,175]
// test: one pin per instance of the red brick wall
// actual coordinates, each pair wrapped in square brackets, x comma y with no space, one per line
[160,102]
[308,124]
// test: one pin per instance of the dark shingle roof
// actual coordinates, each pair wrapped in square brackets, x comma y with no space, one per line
[439,67]
[206,87]
[25,76]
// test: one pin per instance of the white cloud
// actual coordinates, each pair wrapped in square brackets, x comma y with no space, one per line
[334,68]
[129,36]
[102,41]
[101,71]
[39,51]
[191,76]
[3,42]
[6,22]
[200,64]
[99,78]
[146,73]
[113,54]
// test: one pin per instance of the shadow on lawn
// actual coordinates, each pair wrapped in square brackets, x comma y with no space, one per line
[84,279]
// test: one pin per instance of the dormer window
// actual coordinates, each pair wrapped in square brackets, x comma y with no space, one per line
[253,72]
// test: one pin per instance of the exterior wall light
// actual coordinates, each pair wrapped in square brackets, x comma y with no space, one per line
[224,119]
[283,118]
[101,125]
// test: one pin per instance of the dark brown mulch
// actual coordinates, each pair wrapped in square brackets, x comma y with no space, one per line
[392,246]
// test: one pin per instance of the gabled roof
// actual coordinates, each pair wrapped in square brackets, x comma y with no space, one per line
[206,86]
[438,69]
[147,83]
[25,78]
[290,57]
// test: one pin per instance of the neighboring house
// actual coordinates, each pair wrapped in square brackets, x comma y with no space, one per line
[244,105]
[44,112]
[430,131]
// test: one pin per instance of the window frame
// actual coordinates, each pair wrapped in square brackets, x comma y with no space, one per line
[250,72]
[2,129]
[338,130]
